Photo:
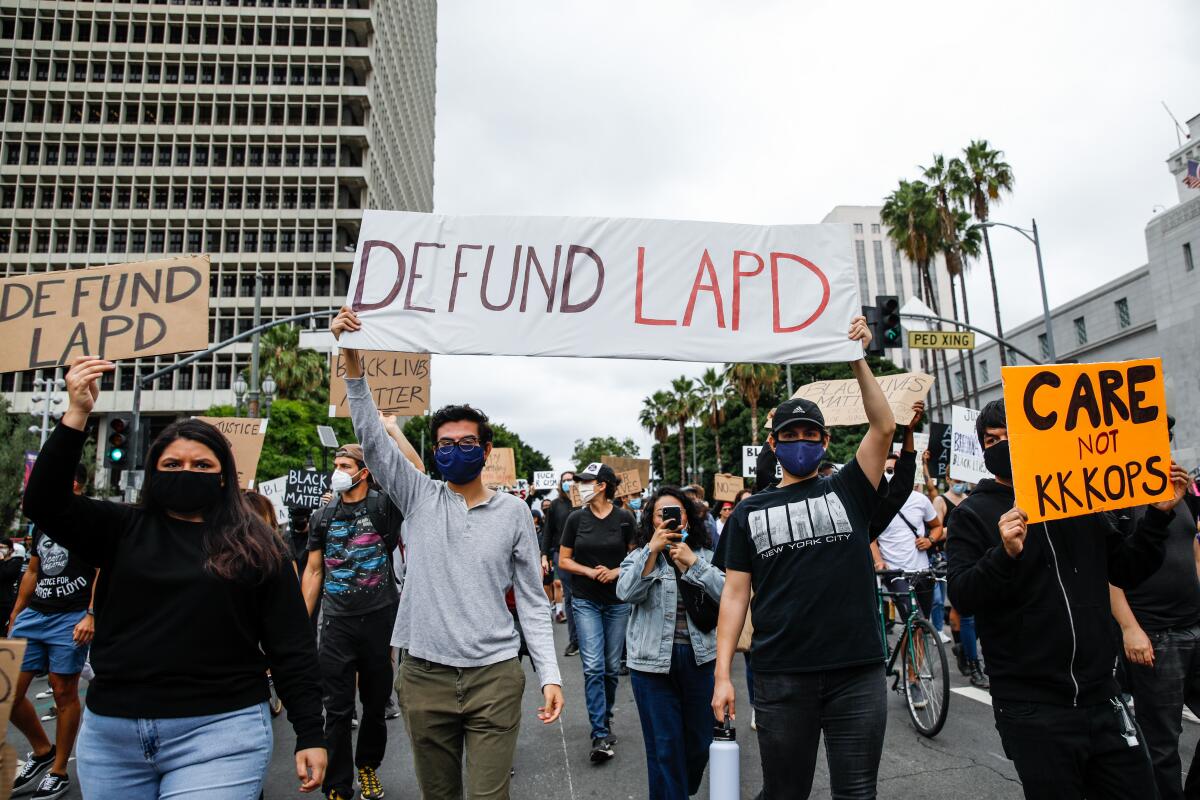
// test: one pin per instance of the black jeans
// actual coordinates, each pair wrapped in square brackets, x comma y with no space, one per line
[1159,694]
[1064,753]
[355,647]
[793,709]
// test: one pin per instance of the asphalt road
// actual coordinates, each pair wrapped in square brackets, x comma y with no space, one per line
[963,762]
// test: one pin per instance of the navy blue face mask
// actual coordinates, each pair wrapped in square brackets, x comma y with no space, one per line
[799,458]
[458,466]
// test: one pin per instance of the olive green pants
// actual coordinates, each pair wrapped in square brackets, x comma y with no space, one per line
[449,710]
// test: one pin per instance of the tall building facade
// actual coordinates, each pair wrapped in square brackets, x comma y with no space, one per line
[882,269]
[252,130]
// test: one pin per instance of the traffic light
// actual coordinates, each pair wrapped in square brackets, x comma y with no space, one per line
[888,306]
[875,348]
[116,452]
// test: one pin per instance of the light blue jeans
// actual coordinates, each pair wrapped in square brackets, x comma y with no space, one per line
[601,628]
[217,757]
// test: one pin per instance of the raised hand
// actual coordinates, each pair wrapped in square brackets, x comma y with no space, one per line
[918,414]
[346,320]
[860,331]
[83,388]
[1179,482]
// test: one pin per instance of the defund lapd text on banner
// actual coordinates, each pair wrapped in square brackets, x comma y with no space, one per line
[142,309]
[1087,437]
[594,287]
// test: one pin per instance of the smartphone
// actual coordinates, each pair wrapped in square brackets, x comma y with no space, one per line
[673,516]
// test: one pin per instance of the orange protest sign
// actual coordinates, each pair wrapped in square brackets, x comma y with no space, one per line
[1087,437]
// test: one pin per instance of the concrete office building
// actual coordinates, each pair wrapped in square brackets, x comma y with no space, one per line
[882,269]
[1153,310]
[252,130]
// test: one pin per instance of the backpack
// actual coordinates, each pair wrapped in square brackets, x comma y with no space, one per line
[377,511]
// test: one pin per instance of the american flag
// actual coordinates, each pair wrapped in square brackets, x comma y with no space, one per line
[1192,179]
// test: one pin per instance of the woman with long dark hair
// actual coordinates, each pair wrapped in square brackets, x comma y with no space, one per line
[674,592]
[194,604]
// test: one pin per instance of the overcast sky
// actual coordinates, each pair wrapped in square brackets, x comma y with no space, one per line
[775,112]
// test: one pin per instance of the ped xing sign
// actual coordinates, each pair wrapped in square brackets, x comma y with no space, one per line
[941,340]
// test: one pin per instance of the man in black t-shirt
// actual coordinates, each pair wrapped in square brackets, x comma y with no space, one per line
[53,614]
[350,571]
[804,546]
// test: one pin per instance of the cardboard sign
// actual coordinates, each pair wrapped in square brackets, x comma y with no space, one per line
[148,308]
[545,480]
[575,497]
[621,464]
[305,488]
[939,450]
[841,401]
[750,461]
[274,491]
[501,468]
[12,651]
[966,454]
[245,436]
[399,382]
[1086,438]
[726,487]
[544,286]
[631,483]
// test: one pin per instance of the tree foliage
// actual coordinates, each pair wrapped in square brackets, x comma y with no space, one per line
[598,446]
[292,435]
[15,440]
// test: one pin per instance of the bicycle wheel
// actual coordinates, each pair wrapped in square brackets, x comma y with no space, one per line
[926,678]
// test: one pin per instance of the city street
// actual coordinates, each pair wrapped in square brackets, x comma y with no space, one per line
[963,762]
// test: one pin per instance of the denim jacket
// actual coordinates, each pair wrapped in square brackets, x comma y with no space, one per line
[653,600]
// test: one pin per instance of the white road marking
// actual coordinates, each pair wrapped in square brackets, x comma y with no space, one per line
[979,695]
[563,732]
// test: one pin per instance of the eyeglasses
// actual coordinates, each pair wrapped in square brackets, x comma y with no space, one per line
[466,444]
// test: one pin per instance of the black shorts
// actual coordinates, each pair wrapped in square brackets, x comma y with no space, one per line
[924,596]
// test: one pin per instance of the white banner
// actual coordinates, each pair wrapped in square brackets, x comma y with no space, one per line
[274,490]
[966,454]
[594,287]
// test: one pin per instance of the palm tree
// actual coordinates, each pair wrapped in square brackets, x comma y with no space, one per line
[750,381]
[685,406]
[989,176]
[714,392]
[300,374]
[654,419]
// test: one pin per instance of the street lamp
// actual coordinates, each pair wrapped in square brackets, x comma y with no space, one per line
[49,387]
[268,389]
[239,392]
[1032,235]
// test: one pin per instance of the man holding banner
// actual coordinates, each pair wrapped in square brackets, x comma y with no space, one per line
[1039,594]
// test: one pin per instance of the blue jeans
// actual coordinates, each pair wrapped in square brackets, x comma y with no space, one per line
[848,705]
[564,578]
[217,757]
[677,723]
[601,629]
[968,639]
[937,614]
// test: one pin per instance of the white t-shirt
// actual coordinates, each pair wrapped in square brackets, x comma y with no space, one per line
[898,543]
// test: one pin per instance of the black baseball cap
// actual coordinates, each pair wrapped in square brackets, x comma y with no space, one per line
[790,412]
[597,472]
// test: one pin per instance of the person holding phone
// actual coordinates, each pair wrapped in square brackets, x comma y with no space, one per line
[596,540]
[674,592]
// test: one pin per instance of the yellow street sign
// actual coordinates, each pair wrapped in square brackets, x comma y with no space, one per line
[942,340]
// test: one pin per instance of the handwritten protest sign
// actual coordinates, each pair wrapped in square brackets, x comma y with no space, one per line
[501,467]
[688,291]
[274,490]
[141,309]
[399,382]
[305,488]
[841,401]
[750,461]
[966,454]
[939,450]
[12,652]
[630,483]
[245,437]
[1087,437]
[726,487]
[542,480]
[575,497]
[621,464]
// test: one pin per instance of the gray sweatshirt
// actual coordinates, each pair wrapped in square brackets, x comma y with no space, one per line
[460,562]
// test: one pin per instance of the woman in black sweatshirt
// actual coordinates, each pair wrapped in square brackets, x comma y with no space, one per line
[195,602]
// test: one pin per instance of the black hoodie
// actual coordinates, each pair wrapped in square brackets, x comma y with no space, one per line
[1044,617]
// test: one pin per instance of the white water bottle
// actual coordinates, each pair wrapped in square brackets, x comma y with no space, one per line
[724,776]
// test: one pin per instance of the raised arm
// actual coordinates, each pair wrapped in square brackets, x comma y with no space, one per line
[392,425]
[873,449]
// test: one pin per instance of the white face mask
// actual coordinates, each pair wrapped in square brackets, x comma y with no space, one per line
[587,491]
[341,481]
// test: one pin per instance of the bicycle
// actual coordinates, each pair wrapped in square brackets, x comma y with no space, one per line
[924,663]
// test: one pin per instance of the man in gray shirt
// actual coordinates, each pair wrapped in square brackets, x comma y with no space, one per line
[460,683]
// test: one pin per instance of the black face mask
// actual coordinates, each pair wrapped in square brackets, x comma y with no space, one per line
[997,460]
[184,491]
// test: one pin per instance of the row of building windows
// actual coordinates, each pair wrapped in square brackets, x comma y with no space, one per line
[858,228]
[164,155]
[220,111]
[138,32]
[116,71]
[162,241]
[192,196]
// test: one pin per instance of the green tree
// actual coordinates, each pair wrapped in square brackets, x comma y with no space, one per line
[291,438]
[989,178]
[599,446]
[299,373]
[714,392]
[15,440]
[685,406]
[655,420]
[751,381]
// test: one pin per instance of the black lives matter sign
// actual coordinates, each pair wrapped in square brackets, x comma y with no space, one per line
[304,488]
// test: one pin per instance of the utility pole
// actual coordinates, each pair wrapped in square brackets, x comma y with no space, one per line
[253,404]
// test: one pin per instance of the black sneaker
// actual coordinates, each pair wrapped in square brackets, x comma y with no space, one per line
[369,786]
[572,650]
[979,678]
[961,660]
[52,787]
[30,774]
[601,751]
